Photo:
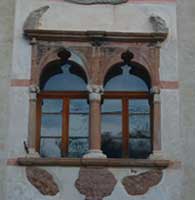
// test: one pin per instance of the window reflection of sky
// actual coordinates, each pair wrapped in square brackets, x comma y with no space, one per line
[65,81]
[126,82]
[78,127]
[111,117]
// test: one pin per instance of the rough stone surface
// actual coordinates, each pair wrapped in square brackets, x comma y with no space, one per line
[95,183]
[140,184]
[42,180]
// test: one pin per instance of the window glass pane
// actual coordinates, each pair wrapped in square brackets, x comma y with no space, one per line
[112,128]
[51,128]
[139,125]
[126,82]
[65,81]
[78,127]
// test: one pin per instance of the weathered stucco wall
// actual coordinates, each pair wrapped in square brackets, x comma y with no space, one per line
[6,33]
[127,17]
[186,60]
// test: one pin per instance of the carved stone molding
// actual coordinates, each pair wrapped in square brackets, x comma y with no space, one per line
[95,183]
[42,180]
[140,184]
[88,2]
[33,20]
[159,24]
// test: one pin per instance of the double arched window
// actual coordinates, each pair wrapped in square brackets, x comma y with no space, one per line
[63,108]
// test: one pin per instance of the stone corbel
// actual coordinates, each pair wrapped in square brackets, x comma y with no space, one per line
[95,92]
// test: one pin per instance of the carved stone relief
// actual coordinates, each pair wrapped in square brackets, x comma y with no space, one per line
[95,183]
[33,20]
[42,180]
[140,184]
[159,24]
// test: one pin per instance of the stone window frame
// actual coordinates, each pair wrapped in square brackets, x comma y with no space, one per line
[96,47]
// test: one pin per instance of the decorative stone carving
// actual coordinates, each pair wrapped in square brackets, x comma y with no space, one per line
[140,184]
[95,183]
[34,90]
[95,92]
[159,24]
[33,20]
[88,2]
[42,180]
[155,90]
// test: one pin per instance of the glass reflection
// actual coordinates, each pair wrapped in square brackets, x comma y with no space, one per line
[65,81]
[140,134]
[51,128]
[126,82]
[112,128]
[78,127]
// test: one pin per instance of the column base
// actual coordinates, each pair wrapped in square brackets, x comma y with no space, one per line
[156,155]
[95,154]
[33,153]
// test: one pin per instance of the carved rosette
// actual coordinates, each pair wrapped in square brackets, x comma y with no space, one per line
[95,183]
[42,180]
[140,184]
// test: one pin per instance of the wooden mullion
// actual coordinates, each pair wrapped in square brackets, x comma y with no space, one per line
[65,127]
[38,123]
[125,126]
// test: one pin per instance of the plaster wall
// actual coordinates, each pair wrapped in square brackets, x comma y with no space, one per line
[6,33]
[186,54]
[128,18]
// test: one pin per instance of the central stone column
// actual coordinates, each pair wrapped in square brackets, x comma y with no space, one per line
[95,92]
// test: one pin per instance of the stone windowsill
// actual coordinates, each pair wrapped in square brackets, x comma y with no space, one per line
[27,161]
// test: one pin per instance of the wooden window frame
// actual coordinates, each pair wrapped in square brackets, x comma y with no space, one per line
[65,96]
[125,97]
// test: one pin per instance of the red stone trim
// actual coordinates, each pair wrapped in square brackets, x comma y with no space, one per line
[20,83]
[151,1]
[169,84]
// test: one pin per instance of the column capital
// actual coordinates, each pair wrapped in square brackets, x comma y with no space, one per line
[95,92]
[33,91]
[156,93]
[155,90]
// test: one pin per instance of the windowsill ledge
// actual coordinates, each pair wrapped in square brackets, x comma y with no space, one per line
[76,162]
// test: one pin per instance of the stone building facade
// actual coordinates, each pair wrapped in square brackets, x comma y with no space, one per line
[159,34]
